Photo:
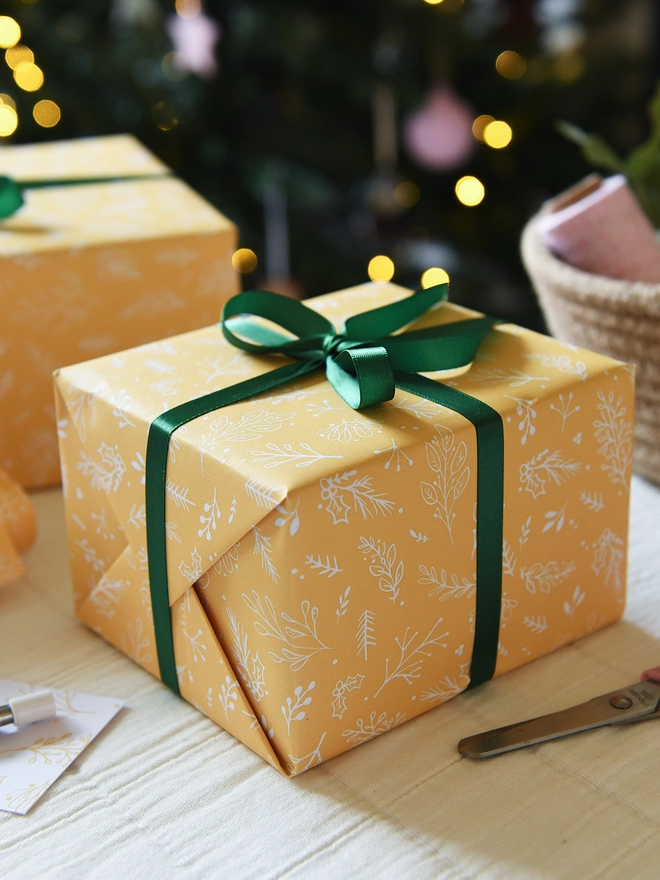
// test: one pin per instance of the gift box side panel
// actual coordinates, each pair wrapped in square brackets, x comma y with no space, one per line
[63,307]
[95,536]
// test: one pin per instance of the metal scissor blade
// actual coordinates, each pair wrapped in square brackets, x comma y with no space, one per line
[633,703]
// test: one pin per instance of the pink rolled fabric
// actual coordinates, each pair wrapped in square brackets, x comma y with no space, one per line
[599,227]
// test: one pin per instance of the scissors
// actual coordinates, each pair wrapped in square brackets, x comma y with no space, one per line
[638,702]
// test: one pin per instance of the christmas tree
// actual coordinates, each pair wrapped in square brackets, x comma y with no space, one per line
[334,131]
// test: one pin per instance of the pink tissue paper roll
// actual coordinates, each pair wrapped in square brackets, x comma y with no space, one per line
[605,233]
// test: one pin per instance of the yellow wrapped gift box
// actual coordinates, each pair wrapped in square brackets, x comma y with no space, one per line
[92,269]
[321,561]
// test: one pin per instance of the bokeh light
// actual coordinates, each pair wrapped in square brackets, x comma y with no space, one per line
[8,120]
[174,66]
[10,32]
[18,55]
[510,65]
[29,76]
[380,268]
[8,100]
[434,275]
[244,260]
[433,2]
[46,113]
[406,194]
[164,117]
[480,124]
[470,191]
[497,134]
[188,8]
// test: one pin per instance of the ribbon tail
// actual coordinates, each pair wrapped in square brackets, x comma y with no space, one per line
[158,441]
[490,506]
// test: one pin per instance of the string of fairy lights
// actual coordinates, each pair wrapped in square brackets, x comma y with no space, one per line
[28,76]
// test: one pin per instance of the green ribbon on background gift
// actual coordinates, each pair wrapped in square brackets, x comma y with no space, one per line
[12,192]
[365,363]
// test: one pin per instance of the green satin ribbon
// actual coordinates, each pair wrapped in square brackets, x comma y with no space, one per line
[364,362]
[12,191]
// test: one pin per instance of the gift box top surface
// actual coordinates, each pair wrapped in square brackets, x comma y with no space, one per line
[62,217]
[219,449]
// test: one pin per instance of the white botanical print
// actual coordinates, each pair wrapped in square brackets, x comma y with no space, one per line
[411,655]
[445,587]
[354,429]
[107,474]
[555,519]
[250,668]
[352,683]
[209,522]
[214,369]
[171,532]
[449,686]
[193,571]
[563,363]
[263,549]
[448,460]
[263,494]
[525,409]
[614,433]
[420,409]
[576,600]
[608,557]
[60,750]
[419,537]
[512,377]
[565,408]
[312,759]
[525,531]
[288,517]
[299,638]
[318,409]
[167,387]
[376,724]
[384,565]
[196,645]
[106,595]
[140,466]
[343,602]
[228,562]
[545,577]
[134,643]
[396,457]
[509,560]
[365,634]
[295,706]
[544,467]
[275,455]
[537,623]
[344,493]
[250,426]
[228,696]
[592,500]
[90,556]
[179,495]
[138,515]
[121,403]
[330,569]
[508,606]
[102,527]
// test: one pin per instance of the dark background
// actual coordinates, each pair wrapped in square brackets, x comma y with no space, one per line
[290,107]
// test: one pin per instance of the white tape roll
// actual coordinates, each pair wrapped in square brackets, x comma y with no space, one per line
[38,706]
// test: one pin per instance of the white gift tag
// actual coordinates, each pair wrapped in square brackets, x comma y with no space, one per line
[34,756]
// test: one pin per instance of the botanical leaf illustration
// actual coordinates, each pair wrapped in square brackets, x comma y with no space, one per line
[384,565]
[324,568]
[250,668]
[536,623]
[555,519]
[564,409]
[365,633]
[411,655]
[577,599]
[193,571]
[447,687]
[262,548]
[288,516]
[609,557]
[299,638]
[262,493]
[525,409]
[275,455]
[512,377]
[343,604]
[312,759]
[593,500]
[397,457]
[106,595]
[342,492]
[179,495]
[614,433]
[544,577]
[105,475]
[376,724]
[544,467]
[295,707]
[352,683]
[509,560]
[443,587]
[448,460]
[210,521]
[355,429]
[563,363]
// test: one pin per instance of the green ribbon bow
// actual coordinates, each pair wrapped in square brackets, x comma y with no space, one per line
[365,362]
[12,192]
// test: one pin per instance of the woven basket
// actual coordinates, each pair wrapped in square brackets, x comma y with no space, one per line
[617,318]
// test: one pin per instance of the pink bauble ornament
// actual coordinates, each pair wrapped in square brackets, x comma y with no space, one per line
[194,41]
[438,135]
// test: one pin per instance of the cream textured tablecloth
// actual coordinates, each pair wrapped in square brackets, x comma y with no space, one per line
[165,793]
